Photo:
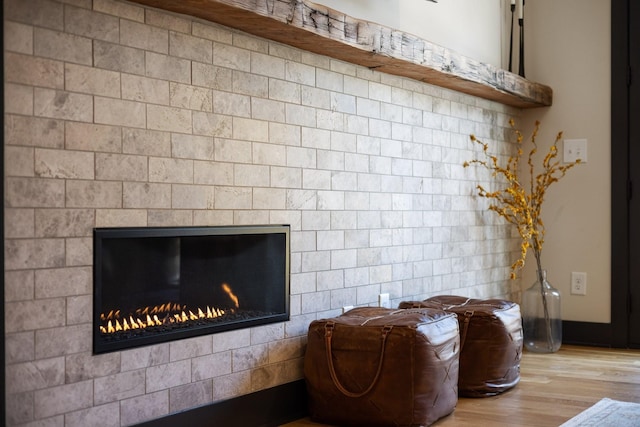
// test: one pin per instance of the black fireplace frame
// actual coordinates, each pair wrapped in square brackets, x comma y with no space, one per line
[99,236]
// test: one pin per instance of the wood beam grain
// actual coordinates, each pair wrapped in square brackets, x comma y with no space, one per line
[325,31]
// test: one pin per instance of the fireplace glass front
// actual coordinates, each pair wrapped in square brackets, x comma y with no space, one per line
[154,285]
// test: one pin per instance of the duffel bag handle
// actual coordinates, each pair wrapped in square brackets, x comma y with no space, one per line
[465,327]
[328,333]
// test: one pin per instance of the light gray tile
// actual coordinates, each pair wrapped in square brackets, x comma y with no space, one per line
[119,112]
[85,366]
[64,164]
[120,386]
[36,375]
[19,223]
[63,105]
[90,24]
[62,46]
[63,340]
[115,57]
[19,347]
[190,395]
[211,366]
[34,131]
[121,167]
[189,47]
[168,375]
[99,416]
[43,13]
[138,35]
[34,71]
[123,10]
[91,137]
[52,283]
[144,89]
[94,194]
[63,398]
[34,253]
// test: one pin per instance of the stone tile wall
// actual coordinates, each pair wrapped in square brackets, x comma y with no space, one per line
[118,115]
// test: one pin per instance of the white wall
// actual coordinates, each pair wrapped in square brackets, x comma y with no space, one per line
[471,27]
[567,46]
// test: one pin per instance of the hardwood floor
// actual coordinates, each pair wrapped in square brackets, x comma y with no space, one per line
[553,388]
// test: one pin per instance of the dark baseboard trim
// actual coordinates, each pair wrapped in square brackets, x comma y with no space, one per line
[267,408]
[586,333]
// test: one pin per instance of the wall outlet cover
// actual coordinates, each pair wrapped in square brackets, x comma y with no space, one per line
[574,149]
[383,301]
[578,283]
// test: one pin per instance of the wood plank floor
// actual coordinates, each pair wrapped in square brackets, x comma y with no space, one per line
[553,388]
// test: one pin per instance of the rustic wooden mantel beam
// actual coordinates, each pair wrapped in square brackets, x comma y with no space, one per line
[325,31]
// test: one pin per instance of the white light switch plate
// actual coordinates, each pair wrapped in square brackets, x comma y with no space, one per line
[575,149]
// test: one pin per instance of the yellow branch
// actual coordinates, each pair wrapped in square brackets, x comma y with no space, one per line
[513,202]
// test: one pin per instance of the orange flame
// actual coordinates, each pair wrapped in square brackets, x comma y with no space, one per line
[233,297]
[164,314]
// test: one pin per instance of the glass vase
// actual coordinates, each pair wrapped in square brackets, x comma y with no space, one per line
[541,318]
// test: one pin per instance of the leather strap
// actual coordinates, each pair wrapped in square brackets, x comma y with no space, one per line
[465,327]
[328,333]
[451,306]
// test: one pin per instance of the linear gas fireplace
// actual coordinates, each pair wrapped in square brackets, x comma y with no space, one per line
[153,285]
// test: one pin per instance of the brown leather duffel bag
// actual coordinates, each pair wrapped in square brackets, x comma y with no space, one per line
[381,367]
[490,342]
